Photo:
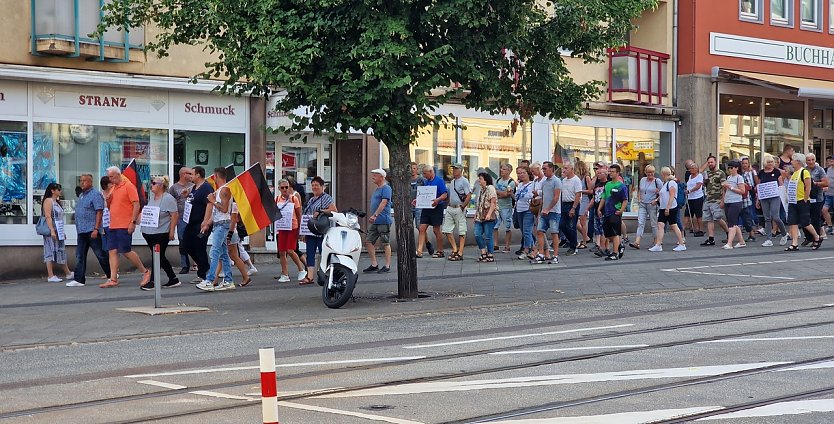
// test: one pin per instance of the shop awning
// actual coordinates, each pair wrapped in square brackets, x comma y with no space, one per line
[802,87]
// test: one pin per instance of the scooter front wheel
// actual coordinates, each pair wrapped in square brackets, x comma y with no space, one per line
[337,294]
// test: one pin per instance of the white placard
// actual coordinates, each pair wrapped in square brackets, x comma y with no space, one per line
[303,229]
[425,197]
[105,218]
[792,185]
[59,229]
[285,222]
[768,190]
[186,211]
[150,216]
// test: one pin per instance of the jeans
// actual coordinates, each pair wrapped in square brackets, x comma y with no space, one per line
[162,240]
[313,245]
[526,221]
[483,235]
[680,220]
[567,226]
[184,262]
[771,208]
[219,251]
[195,246]
[646,211]
[86,241]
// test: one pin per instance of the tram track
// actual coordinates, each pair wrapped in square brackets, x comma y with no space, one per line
[446,376]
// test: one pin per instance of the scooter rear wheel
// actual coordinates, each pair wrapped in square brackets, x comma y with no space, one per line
[337,295]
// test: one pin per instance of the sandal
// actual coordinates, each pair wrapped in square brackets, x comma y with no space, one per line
[305,281]
[454,257]
[490,258]
[246,282]
[582,245]
[482,258]
[792,248]
[109,284]
[438,254]
[816,245]
[418,255]
[634,246]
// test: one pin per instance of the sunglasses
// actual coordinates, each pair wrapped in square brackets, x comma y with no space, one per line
[284,187]
[156,183]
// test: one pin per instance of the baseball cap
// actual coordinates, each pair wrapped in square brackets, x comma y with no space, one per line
[830,157]
[600,164]
[380,171]
[457,165]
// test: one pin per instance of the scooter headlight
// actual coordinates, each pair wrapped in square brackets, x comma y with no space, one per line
[353,221]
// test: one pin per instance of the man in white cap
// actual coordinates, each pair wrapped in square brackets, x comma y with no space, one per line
[379,223]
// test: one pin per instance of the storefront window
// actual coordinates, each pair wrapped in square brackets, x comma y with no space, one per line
[739,128]
[783,124]
[62,152]
[436,147]
[489,143]
[637,149]
[587,144]
[209,150]
[12,172]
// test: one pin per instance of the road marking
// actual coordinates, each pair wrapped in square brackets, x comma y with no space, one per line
[301,364]
[221,395]
[347,413]
[798,407]
[727,275]
[746,263]
[565,349]
[163,384]
[517,336]
[304,393]
[552,380]
[767,339]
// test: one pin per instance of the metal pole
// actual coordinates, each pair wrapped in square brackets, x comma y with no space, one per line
[269,389]
[157,284]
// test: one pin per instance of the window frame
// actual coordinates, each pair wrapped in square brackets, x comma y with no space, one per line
[816,26]
[788,21]
[757,17]
[831,16]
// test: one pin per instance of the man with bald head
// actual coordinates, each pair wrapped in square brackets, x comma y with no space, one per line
[180,190]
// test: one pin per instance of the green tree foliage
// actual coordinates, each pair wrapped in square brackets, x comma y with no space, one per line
[383,66]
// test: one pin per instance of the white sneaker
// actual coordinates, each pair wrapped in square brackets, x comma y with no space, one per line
[767,243]
[253,270]
[206,285]
[302,275]
[70,276]
[226,285]
[680,248]
[761,231]
[74,283]
[727,247]
[54,279]
[784,240]
[656,248]
[824,236]
[284,278]
[739,245]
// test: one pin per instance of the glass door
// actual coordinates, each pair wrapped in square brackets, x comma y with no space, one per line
[300,164]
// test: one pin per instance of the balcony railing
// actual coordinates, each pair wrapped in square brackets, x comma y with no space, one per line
[636,76]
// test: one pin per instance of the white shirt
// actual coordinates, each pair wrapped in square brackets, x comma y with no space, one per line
[690,186]
[571,186]
[665,192]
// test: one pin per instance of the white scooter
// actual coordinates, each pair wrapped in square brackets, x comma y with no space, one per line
[339,266]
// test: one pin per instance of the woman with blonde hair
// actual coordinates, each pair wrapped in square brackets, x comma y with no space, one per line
[768,180]
[668,211]
[587,194]
[162,208]
[648,190]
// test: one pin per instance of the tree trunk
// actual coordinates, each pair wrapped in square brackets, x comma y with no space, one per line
[400,163]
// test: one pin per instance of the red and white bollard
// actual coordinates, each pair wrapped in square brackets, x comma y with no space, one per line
[269,389]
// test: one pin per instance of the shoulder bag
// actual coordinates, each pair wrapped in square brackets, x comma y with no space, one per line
[42,228]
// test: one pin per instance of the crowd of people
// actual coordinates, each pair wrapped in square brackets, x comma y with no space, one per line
[573,208]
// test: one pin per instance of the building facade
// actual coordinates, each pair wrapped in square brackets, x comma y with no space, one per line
[755,76]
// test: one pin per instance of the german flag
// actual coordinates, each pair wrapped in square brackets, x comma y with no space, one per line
[131,172]
[230,174]
[254,199]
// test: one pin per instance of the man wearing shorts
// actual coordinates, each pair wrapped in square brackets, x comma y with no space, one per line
[612,205]
[432,217]
[828,204]
[459,192]
[713,182]
[551,194]
[123,203]
[505,188]
[379,223]
[417,180]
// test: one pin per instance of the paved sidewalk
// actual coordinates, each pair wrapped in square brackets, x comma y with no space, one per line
[36,312]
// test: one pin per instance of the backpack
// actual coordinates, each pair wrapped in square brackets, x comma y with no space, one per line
[681,198]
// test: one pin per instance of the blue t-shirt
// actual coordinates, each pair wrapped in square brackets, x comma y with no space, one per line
[380,193]
[441,189]
[199,203]
[615,193]
[89,203]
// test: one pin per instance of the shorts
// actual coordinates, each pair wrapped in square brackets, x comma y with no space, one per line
[505,216]
[432,217]
[584,204]
[712,212]
[119,240]
[549,223]
[378,232]
[696,207]
[799,214]
[287,240]
[454,218]
[733,211]
[828,202]
[670,219]
[612,225]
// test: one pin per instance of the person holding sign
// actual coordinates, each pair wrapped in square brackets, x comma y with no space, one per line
[768,181]
[54,245]
[286,230]
[194,210]
[432,213]
[159,218]
[320,201]
[799,204]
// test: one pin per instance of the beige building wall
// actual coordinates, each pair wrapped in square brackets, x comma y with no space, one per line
[16,29]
